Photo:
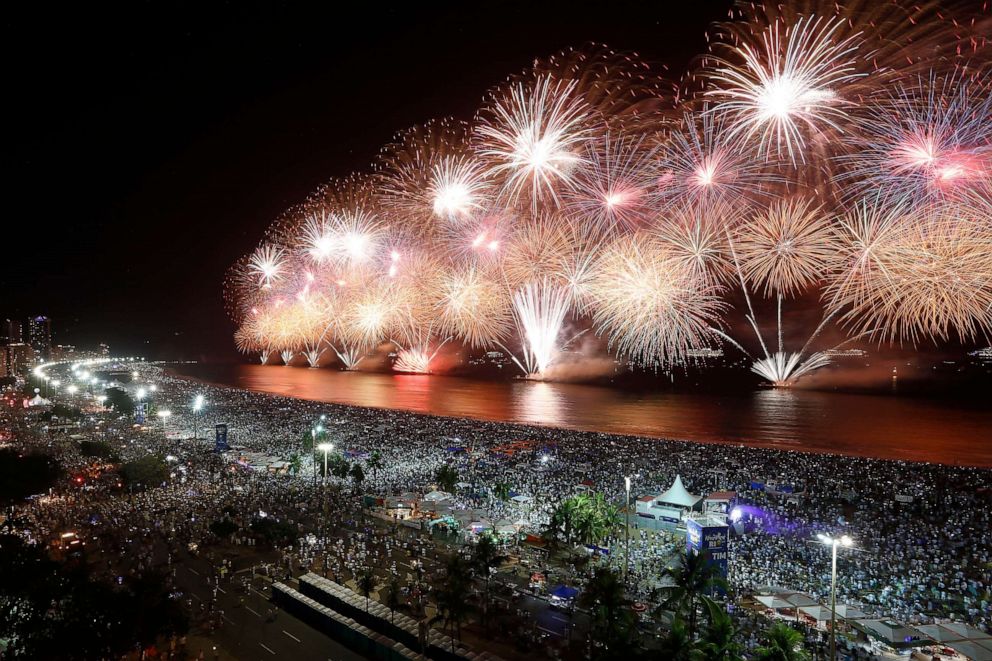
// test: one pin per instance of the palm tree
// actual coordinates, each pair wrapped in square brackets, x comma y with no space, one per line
[486,557]
[446,478]
[501,491]
[784,644]
[341,467]
[366,584]
[567,518]
[678,645]
[295,463]
[695,575]
[357,475]
[604,596]
[374,462]
[717,642]
[453,598]
[393,592]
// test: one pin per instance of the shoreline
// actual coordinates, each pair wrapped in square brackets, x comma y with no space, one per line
[766,446]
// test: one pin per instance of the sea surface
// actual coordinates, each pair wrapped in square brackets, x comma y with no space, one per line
[887,426]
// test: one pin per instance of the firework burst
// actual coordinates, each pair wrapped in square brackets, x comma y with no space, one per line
[785,86]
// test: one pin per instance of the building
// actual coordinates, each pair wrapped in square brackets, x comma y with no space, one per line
[17,358]
[11,332]
[61,352]
[40,336]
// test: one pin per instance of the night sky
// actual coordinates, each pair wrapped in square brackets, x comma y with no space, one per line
[151,143]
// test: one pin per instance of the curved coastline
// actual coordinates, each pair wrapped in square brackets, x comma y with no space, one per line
[300,385]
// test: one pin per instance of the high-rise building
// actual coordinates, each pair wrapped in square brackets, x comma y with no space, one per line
[18,358]
[62,352]
[40,336]
[10,332]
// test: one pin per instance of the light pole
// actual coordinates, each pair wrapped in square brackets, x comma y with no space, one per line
[197,405]
[163,415]
[626,554]
[325,447]
[833,543]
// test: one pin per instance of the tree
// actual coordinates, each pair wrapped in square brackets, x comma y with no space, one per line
[56,612]
[718,640]
[446,478]
[295,463]
[357,475]
[393,597]
[22,476]
[374,462]
[366,584]
[454,597]
[99,449]
[340,468]
[678,645]
[501,491]
[223,528]
[486,556]
[783,644]
[119,401]
[274,532]
[695,575]
[144,473]
[613,621]
[565,518]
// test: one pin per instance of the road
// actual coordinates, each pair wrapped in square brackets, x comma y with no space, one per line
[247,631]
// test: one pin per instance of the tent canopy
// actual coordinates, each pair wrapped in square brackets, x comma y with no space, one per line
[564,592]
[678,495]
[974,650]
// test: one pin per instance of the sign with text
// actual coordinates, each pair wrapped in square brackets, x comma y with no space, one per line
[712,539]
[220,437]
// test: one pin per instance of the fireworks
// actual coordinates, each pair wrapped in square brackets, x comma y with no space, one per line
[838,152]
[786,85]
[651,307]
[925,141]
[533,136]
[909,276]
[539,310]
[267,265]
[788,246]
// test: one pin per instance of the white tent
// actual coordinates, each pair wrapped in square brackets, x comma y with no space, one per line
[521,499]
[435,496]
[38,400]
[678,495]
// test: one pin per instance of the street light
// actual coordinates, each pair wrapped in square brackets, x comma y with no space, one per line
[626,559]
[197,405]
[833,543]
[163,415]
[325,447]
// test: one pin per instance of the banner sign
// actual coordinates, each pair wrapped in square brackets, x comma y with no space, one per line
[220,437]
[714,540]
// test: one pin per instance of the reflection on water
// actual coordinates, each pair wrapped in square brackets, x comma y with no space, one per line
[540,404]
[874,425]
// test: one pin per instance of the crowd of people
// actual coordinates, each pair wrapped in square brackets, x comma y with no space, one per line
[922,532]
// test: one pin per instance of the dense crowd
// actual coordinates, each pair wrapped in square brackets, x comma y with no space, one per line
[919,557]
[922,532]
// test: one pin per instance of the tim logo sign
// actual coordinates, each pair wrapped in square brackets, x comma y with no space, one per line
[712,540]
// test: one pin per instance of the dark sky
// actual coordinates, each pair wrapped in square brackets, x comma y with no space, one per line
[149,144]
